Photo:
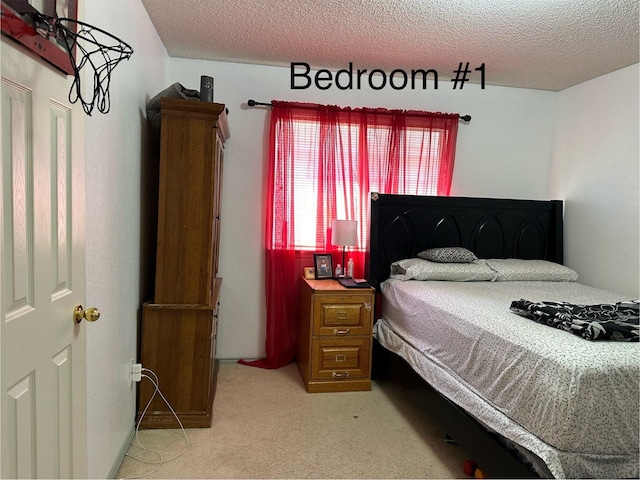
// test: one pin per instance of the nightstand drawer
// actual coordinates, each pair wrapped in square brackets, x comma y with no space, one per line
[342,315]
[341,358]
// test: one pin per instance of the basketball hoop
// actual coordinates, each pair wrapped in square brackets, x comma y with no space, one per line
[97,50]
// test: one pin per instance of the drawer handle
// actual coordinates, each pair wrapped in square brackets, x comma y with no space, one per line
[346,331]
[367,306]
[340,375]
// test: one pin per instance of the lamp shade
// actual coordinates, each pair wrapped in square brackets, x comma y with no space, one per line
[344,232]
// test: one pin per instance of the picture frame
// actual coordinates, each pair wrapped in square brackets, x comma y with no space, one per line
[309,273]
[17,25]
[323,265]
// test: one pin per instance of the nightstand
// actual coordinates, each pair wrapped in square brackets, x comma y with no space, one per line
[334,336]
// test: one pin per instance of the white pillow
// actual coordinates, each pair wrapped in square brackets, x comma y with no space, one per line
[515,269]
[420,269]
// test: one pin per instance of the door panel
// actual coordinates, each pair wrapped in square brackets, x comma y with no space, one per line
[17,204]
[20,426]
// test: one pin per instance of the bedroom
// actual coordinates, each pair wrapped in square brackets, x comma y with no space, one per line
[521,143]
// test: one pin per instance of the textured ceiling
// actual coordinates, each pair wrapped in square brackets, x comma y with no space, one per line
[541,44]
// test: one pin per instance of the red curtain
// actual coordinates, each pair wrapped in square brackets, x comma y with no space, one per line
[323,163]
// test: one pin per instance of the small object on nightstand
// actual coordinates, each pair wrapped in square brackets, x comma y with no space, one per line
[323,265]
[309,273]
[338,270]
[350,268]
[354,283]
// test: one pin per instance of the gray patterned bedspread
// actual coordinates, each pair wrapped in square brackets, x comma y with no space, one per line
[573,403]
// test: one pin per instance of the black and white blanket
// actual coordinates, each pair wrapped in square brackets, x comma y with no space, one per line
[608,321]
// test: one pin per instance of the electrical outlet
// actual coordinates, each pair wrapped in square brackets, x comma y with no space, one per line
[135,372]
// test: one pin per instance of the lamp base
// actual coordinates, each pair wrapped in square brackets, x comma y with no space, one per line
[344,265]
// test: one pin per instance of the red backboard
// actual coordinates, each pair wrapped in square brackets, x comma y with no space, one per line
[18,24]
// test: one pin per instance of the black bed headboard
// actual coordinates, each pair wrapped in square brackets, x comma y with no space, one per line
[403,225]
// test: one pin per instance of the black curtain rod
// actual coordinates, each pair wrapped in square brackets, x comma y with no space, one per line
[253,103]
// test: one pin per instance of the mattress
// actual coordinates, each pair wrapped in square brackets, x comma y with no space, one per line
[572,402]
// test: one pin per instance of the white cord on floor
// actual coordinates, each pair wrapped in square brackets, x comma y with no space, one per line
[160,460]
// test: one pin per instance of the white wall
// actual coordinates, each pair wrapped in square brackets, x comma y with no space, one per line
[116,155]
[595,168]
[503,152]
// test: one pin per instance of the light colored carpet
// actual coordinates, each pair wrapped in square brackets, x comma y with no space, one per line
[265,425]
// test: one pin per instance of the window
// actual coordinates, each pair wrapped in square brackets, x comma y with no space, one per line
[346,160]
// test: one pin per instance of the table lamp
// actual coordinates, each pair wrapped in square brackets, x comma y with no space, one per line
[344,233]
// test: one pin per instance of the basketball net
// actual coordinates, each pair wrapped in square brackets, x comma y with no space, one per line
[95,50]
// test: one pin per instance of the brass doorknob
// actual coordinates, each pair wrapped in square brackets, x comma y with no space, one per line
[91,314]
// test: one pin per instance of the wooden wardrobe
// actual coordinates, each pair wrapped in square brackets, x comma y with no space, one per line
[178,331]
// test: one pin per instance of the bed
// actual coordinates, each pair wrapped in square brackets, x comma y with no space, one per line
[523,398]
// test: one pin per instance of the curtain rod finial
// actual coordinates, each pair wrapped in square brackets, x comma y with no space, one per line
[253,103]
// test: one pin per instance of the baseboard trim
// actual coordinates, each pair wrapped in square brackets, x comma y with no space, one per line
[123,451]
